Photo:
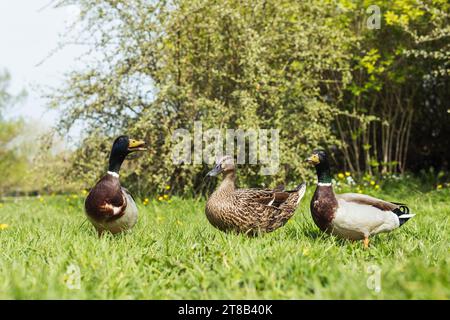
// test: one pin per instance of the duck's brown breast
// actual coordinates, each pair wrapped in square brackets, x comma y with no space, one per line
[105,199]
[323,207]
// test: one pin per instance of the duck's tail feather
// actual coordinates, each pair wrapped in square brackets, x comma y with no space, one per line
[294,199]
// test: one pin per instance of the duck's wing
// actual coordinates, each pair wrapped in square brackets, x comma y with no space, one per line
[267,210]
[398,208]
[262,196]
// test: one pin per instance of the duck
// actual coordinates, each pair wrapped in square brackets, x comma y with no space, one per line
[248,211]
[109,206]
[351,216]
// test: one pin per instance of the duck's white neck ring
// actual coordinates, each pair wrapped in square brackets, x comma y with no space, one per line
[323,184]
[114,174]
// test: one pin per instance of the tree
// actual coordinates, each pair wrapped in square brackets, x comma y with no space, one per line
[13,163]
[400,78]
[229,64]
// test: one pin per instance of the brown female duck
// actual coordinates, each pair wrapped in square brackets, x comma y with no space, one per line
[351,215]
[249,211]
[109,206]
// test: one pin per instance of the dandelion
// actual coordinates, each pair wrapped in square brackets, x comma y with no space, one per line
[377,187]
[74,196]
[439,186]
[341,175]
[166,196]
[41,199]
[167,187]
[347,174]
[84,192]
[145,202]
[372,183]
[160,198]
[3,226]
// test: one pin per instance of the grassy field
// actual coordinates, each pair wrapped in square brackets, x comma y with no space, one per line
[173,253]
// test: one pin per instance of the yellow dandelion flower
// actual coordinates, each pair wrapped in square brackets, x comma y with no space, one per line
[167,187]
[160,198]
[372,183]
[359,191]
[347,174]
[74,196]
[84,192]
[166,196]
[377,187]
[3,226]
[341,175]
[439,186]
[41,199]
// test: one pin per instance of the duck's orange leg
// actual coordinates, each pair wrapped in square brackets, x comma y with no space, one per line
[366,242]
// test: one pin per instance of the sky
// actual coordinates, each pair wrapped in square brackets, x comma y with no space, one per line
[30,31]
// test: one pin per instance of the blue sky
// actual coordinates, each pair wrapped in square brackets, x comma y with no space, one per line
[30,31]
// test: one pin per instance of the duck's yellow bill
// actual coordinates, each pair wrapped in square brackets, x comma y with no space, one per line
[136,144]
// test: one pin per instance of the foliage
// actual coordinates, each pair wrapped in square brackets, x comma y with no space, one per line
[13,163]
[394,110]
[229,64]
[377,98]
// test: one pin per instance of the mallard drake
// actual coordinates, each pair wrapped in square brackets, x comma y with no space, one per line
[249,211]
[351,215]
[109,206]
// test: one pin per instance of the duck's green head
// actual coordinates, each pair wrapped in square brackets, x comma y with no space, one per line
[122,147]
[319,159]
[224,164]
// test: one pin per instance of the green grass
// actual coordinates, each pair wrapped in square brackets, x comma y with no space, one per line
[173,253]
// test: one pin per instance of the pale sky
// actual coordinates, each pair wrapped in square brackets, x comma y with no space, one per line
[30,31]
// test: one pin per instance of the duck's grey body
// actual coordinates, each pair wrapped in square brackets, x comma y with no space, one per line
[358,221]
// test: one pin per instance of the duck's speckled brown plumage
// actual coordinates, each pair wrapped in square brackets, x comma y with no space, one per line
[250,211]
